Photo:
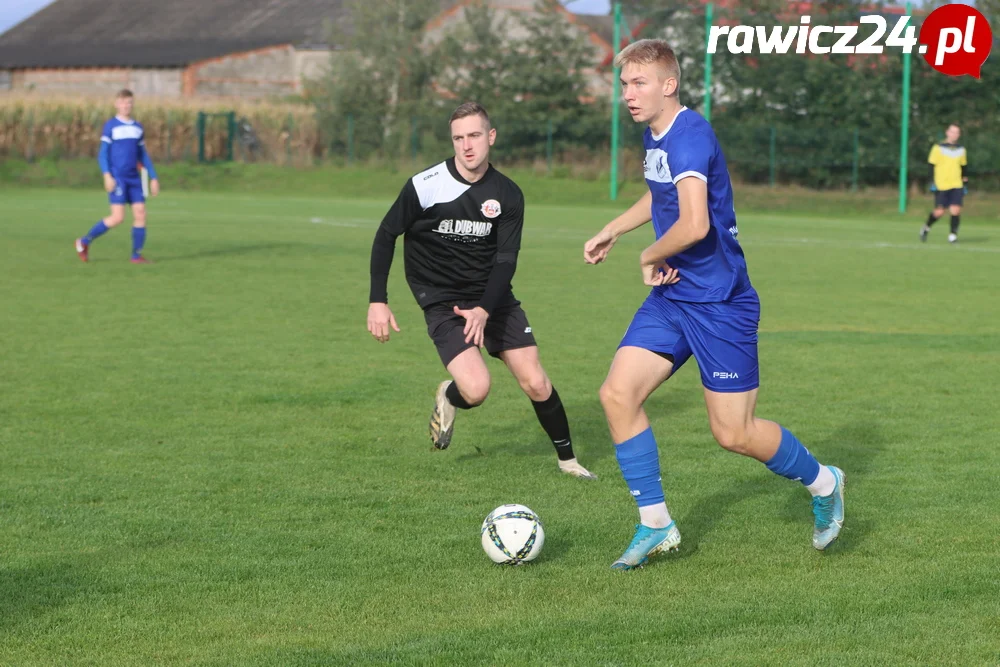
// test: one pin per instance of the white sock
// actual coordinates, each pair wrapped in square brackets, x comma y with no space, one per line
[654,516]
[824,484]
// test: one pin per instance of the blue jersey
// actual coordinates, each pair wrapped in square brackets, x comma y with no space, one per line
[714,269]
[122,149]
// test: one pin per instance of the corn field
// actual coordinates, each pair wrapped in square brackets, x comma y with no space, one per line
[35,127]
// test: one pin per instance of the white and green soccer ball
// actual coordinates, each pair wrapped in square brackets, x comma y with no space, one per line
[513,534]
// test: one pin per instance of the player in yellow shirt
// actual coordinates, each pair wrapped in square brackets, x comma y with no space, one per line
[948,181]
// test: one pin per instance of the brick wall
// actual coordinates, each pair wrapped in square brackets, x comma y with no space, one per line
[260,73]
[269,72]
[98,81]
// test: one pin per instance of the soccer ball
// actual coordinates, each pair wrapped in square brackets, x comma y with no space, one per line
[512,534]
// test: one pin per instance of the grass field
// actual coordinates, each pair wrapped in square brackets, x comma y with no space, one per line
[208,460]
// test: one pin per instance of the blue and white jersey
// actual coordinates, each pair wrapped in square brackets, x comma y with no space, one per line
[714,269]
[125,146]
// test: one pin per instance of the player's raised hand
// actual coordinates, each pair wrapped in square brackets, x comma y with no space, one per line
[154,188]
[475,324]
[380,318]
[659,273]
[109,183]
[596,249]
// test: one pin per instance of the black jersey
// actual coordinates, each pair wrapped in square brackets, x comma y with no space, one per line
[460,239]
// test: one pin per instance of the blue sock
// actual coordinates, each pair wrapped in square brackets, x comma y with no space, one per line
[138,240]
[639,461]
[94,232]
[793,460]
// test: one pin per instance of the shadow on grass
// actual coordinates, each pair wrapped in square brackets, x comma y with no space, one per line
[521,433]
[853,448]
[32,592]
[223,251]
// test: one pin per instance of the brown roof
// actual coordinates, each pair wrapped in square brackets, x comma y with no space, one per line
[175,33]
[162,33]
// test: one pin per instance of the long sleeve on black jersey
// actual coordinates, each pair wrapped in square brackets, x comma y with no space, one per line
[395,223]
[511,222]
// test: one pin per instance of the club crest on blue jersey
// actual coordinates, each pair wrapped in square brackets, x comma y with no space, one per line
[661,165]
[656,167]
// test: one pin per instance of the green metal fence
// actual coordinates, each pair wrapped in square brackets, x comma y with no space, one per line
[818,157]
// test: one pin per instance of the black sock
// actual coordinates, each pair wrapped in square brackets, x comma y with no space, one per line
[954,223]
[931,219]
[455,397]
[552,416]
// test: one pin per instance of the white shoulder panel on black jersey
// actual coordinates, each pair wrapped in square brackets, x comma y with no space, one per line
[437,186]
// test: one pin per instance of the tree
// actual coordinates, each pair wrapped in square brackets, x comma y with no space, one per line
[476,58]
[525,80]
[379,77]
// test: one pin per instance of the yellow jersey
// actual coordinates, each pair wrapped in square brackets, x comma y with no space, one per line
[948,160]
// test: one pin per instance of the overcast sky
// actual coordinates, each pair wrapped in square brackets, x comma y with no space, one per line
[13,12]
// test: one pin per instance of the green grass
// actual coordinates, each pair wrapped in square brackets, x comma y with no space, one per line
[208,461]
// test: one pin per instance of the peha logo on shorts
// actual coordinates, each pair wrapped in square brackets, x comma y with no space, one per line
[464,228]
[726,376]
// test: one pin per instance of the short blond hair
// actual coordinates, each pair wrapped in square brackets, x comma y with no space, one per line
[649,52]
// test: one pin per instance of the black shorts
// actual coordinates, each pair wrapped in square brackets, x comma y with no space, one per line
[506,329]
[946,198]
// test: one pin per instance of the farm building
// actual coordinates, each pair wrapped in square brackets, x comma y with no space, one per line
[246,48]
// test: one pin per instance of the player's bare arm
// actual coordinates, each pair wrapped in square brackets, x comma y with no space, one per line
[692,224]
[596,249]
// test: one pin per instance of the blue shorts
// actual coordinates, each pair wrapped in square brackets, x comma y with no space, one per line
[127,192]
[722,336]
